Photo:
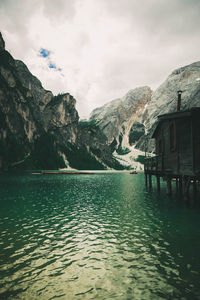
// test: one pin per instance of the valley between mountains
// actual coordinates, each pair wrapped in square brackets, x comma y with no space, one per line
[39,130]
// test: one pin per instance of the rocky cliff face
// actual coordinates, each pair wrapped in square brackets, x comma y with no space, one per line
[132,119]
[164,99]
[91,138]
[2,43]
[116,118]
[40,130]
[32,117]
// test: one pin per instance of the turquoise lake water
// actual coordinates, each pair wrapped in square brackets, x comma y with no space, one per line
[101,236]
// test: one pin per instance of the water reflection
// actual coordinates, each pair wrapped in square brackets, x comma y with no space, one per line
[95,237]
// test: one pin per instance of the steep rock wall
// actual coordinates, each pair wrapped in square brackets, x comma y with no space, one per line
[116,118]
[30,116]
[164,99]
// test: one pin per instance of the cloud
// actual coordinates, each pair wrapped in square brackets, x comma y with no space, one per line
[98,50]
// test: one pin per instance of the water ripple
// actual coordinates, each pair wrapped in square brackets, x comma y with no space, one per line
[103,237]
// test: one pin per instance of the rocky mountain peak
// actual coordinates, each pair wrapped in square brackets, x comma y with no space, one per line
[34,122]
[40,130]
[118,116]
[164,98]
[2,43]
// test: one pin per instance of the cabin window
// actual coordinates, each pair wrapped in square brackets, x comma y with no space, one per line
[172,137]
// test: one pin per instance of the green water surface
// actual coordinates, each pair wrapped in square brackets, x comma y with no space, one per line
[101,236]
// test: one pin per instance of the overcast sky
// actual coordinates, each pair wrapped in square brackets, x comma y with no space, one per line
[97,50]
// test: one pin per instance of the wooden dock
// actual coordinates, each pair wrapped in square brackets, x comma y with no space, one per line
[183,181]
[66,173]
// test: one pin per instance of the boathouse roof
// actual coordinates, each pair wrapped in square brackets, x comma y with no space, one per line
[175,115]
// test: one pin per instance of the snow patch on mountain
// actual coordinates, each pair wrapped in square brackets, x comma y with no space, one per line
[129,160]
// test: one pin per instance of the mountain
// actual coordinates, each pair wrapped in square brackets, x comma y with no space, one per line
[164,99]
[131,120]
[117,122]
[33,121]
[40,130]
[117,117]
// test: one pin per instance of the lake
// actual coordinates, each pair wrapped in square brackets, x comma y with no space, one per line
[101,236]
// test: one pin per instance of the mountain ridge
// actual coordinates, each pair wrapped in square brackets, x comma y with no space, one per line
[162,100]
[40,130]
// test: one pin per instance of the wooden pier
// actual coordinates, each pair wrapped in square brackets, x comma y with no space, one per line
[183,183]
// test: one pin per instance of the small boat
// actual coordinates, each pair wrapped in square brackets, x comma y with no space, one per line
[133,172]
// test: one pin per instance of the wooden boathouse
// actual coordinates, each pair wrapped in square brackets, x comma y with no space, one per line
[177,150]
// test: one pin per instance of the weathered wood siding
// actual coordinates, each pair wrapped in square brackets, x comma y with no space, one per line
[179,159]
[167,158]
[159,152]
[196,142]
[177,138]
[171,157]
[185,151]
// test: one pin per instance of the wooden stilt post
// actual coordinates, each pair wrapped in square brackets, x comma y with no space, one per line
[146,181]
[180,184]
[194,186]
[150,181]
[158,183]
[177,185]
[186,187]
[169,186]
